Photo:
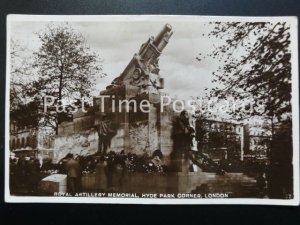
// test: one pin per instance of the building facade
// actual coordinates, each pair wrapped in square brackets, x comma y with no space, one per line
[220,139]
[22,137]
[232,140]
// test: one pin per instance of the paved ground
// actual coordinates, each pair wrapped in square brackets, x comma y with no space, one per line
[236,184]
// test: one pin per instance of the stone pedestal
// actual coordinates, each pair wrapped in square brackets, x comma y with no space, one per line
[54,183]
[181,164]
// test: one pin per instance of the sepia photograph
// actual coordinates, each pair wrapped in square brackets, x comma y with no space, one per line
[152,110]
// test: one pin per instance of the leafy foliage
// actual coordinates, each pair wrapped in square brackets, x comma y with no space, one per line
[256,65]
[26,115]
[20,72]
[67,70]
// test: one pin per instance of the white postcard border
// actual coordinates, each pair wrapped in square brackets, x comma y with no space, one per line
[241,201]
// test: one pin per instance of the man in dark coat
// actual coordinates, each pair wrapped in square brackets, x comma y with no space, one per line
[34,174]
[73,174]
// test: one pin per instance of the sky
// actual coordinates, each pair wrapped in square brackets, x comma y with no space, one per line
[117,41]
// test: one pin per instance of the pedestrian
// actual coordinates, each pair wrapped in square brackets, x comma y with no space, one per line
[73,170]
[261,183]
[101,177]
[34,175]
[110,169]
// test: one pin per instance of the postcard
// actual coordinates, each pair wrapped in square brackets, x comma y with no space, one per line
[152,109]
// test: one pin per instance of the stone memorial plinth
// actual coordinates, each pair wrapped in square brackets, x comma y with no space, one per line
[54,183]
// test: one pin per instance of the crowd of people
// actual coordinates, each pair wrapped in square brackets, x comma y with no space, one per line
[27,172]
[108,164]
[24,175]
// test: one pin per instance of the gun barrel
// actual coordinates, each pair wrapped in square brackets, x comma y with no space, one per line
[163,37]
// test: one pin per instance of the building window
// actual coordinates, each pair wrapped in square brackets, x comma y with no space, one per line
[28,141]
[33,142]
[13,144]
[18,143]
[23,143]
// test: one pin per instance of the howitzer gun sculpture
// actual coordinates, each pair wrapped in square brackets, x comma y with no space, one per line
[143,70]
[139,132]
